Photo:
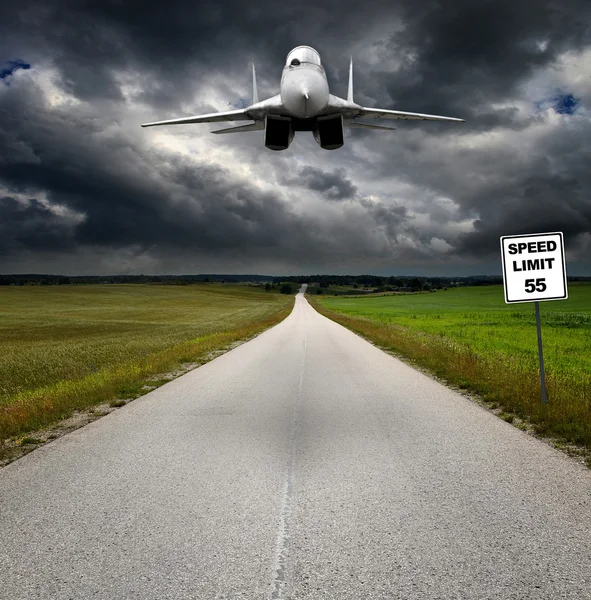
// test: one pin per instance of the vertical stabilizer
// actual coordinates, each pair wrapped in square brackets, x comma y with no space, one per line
[255,93]
[350,91]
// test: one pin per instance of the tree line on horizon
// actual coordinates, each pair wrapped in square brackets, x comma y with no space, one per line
[323,281]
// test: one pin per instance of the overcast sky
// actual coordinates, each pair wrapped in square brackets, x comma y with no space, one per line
[85,190]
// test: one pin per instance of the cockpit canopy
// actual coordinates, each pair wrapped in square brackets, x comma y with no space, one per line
[303,54]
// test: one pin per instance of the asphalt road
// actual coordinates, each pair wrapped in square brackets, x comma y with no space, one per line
[305,463]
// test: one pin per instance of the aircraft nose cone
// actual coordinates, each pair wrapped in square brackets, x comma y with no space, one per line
[304,93]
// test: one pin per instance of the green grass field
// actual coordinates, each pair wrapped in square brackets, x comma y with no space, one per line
[480,318]
[472,338]
[69,347]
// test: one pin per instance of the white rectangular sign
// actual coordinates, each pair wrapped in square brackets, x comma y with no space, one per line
[534,267]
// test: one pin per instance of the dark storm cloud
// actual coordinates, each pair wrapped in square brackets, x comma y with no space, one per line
[334,185]
[551,195]
[456,57]
[511,187]
[390,217]
[32,226]
[111,181]
[119,195]
[461,58]
[173,43]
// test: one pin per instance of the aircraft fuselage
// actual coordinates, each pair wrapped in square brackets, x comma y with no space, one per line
[304,88]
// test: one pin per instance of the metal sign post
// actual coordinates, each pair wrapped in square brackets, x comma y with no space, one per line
[541,354]
[534,269]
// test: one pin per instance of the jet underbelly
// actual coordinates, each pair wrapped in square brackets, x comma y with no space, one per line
[304,89]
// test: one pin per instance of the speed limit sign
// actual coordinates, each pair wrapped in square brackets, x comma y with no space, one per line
[534,267]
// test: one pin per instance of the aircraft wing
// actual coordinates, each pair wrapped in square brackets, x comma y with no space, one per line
[380,113]
[231,115]
[256,126]
[356,125]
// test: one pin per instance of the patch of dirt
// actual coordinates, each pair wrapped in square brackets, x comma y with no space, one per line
[14,448]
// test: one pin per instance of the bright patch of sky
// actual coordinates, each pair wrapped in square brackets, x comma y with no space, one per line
[566,104]
[562,103]
[59,210]
[9,67]
[564,87]
[49,81]
[240,103]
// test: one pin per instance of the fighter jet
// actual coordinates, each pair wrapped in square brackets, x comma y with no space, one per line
[303,104]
